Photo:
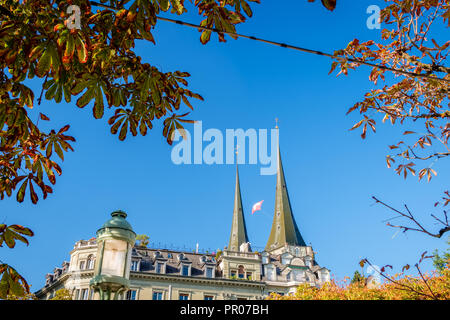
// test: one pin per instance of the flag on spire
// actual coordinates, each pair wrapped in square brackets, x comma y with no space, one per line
[257,206]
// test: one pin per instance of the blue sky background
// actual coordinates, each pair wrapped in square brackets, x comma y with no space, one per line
[331,173]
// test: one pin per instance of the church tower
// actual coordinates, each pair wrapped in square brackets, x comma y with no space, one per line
[284,228]
[238,234]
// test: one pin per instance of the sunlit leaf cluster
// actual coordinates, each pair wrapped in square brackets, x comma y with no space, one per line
[411,42]
[94,66]
[346,290]
[11,282]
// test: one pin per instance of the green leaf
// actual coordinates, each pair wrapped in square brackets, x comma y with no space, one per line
[246,8]
[164,5]
[12,283]
[21,229]
[206,35]
[70,46]
[58,150]
[86,98]
[81,50]
[123,131]
[43,65]
[21,193]
[50,93]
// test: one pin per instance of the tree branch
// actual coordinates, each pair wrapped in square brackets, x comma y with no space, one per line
[410,217]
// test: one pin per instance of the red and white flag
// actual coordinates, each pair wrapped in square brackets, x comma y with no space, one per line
[257,206]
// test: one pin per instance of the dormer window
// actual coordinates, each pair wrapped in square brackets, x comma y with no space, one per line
[286,258]
[300,276]
[271,272]
[134,265]
[324,275]
[160,267]
[308,261]
[185,270]
[209,272]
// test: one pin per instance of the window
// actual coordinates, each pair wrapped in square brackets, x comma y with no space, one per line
[249,276]
[185,270]
[241,299]
[271,273]
[300,276]
[77,292]
[82,265]
[157,295]
[285,260]
[308,261]
[288,276]
[90,262]
[184,296]
[131,295]
[208,298]
[324,276]
[134,265]
[84,294]
[209,272]
[159,267]
[241,272]
[233,273]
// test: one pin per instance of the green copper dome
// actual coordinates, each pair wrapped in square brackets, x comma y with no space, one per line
[118,221]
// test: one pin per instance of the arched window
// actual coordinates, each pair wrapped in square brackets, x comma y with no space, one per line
[241,272]
[90,262]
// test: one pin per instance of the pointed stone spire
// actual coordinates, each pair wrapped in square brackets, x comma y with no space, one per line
[284,228]
[238,229]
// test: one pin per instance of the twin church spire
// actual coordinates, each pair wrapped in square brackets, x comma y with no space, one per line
[284,227]
[238,228]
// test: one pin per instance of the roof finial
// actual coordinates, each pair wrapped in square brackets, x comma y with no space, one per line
[276,123]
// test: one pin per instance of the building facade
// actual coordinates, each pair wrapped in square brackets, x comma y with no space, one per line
[236,273]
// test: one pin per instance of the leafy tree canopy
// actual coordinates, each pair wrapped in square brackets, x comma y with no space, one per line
[142,240]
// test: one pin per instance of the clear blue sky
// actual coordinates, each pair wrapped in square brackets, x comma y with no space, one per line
[331,173]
